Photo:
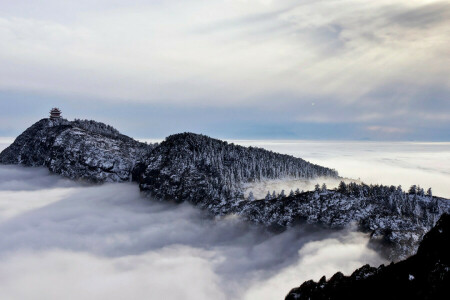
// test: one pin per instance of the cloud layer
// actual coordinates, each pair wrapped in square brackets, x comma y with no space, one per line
[388,163]
[93,242]
[380,67]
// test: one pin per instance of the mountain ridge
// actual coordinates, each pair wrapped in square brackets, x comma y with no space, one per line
[211,174]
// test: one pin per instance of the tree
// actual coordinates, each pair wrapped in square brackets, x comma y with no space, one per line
[342,188]
[250,196]
[297,191]
[420,191]
[291,194]
[429,192]
[282,194]
[317,188]
[268,196]
[413,189]
[324,187]
[274,195]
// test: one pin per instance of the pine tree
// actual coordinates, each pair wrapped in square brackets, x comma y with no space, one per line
[291,194]
[342,188]
[250,196]
[268,196]
[317,188]
[429,193]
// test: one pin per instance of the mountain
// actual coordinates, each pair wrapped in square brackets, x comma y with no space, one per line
[394,218]
[211,174]
[79,149]
[425,275]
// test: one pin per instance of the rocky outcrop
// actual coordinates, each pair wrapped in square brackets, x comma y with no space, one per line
[395,220]
[86,150]
[425,275]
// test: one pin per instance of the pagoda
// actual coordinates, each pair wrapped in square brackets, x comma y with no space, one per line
[55,113]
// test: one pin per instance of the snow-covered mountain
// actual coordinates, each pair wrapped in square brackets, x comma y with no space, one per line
[79,149]
[212,174]
[392,216]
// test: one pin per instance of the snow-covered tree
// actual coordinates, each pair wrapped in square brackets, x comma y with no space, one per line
[250,196]
[317,188]
[420,191]
[342,188]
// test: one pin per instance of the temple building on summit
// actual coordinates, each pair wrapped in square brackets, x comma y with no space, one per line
[55,113]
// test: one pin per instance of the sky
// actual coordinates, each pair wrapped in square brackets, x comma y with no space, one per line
[242,69]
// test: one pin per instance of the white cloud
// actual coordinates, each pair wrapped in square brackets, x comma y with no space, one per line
[388,163]
[91,242]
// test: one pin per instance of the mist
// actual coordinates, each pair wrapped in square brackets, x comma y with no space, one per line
[65,239]
[62,239]
[390,163]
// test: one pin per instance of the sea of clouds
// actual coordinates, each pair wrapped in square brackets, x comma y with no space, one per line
[390,163]
[66,240]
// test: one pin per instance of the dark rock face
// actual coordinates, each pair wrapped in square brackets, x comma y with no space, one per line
[85,150]
[210,173]
[425,275]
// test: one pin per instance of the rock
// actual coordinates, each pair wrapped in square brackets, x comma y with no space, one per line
[425,275]
[86,150]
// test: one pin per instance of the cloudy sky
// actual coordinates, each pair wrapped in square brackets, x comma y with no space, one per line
[262,69]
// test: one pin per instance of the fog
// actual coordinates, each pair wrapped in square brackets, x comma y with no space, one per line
[389,163]
[70,241]
[66,240]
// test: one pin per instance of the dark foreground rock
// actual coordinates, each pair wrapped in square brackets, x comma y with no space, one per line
[425,275]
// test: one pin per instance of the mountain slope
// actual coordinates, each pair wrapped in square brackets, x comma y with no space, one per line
[211,173]
[393,217]
[425,275]
[85,150]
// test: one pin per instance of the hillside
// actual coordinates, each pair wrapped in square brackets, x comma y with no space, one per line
[425,275]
